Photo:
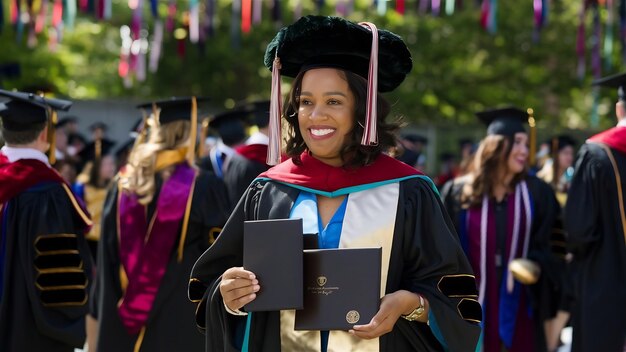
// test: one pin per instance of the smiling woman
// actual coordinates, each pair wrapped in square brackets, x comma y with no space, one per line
[342,186]
[501,213]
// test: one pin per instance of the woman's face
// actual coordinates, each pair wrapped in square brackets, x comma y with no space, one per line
[566,157]
[325,113]
[519,153]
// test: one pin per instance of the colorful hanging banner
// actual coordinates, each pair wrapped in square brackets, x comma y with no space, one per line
[155,47]
[607,51]
[235,32]
[435,6]
[194,21]
[154,8]
[57,13]
[381,7]
[622,28]
[450,4]
[580,42]
[171,15]
[257,11]
[40,20]
[596,56]
[423,6]
[246,16]
[400,6]
[69,13]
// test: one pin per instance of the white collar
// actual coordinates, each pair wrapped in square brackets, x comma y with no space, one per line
[15,154]
[622,123]
[223,148]
[258,138]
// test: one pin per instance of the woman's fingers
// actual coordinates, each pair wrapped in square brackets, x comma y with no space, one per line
[238,287]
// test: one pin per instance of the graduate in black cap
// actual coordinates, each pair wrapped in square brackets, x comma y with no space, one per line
[412,146]
[45,266]
[159,216]
[342,185]
[249,159]
[502,214]
[595,221]
[99,145]
[230,126]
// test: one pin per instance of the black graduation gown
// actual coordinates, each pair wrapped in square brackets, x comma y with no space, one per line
[241,172]
[596,238]
[545,294]
[41,310]
[170,325]
[424,248]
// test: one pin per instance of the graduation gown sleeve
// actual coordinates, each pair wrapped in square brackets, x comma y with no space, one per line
[47,272]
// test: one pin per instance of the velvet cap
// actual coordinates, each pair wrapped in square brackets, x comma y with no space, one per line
[321,41]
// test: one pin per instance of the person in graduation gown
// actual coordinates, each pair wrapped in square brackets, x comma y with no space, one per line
[159,216]
[231,128]
[557,171]
[45,265]
[344,188]
[249,159]
[501,213]
[596,228]
[91,186]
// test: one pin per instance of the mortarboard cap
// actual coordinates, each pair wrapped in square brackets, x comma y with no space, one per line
[66,120]
[447,156]
[173,109]
[415,138]
[561,141]
[320,41]
[230,125]
[505,121]
[25,109]
[615,81]
[98,125]
[261,112]
[379,56]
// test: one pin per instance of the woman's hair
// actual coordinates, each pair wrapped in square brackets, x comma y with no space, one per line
[491,157]
[140,170]
[354,154]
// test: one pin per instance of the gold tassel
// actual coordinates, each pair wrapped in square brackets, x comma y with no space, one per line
[155,115]
[98,149]
[204,132]
[52,157]
[532,137]
[191,151]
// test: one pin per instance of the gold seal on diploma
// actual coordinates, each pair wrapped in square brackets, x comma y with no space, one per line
[353,316]
[321,281]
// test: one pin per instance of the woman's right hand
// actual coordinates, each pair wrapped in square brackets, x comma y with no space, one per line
[238,287]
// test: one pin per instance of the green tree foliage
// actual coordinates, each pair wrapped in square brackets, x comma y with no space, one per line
[459,68]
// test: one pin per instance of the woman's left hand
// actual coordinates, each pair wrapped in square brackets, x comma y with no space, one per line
[391,307]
